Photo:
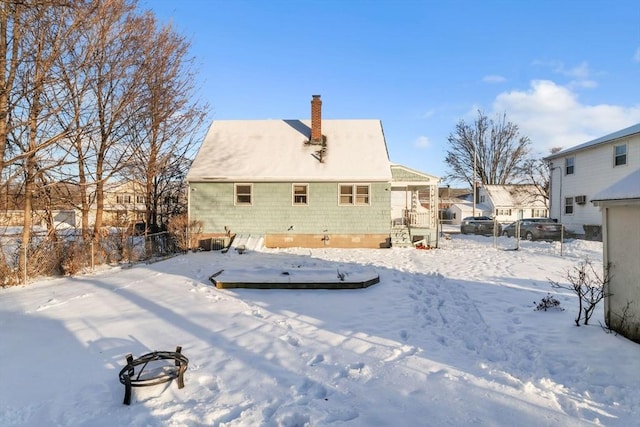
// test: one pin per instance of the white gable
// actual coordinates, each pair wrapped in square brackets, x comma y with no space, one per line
[275,150]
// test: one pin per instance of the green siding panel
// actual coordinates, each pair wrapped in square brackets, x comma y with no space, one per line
[404,175]
[272,210]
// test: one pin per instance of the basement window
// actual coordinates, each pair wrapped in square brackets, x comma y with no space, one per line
[243,194]
[354,194]
[300,194]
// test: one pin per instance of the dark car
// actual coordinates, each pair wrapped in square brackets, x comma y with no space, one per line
[479,225]
[535,229]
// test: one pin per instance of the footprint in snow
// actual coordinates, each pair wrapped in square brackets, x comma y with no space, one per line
[290,340]
[318,358]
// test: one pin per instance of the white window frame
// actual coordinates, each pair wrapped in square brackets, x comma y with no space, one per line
[616,155]
[236,194]
[305,195]
[123,199]
[569,202]
[354,195]
[538,213]
[503,212]
[571,160]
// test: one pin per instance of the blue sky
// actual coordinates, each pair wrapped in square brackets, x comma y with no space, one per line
[564,71]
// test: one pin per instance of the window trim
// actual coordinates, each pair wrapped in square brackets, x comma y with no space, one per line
[236,194]
[567,205]
[293,195]
[123,199]
[572,165]
[536,211]
[354,195]
[616,155]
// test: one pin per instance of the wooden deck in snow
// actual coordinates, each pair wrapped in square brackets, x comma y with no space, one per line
[294,278]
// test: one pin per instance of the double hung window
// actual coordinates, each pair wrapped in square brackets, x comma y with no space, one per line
[354,194]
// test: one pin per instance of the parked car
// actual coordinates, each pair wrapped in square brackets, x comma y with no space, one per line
[479,225]
[535,229]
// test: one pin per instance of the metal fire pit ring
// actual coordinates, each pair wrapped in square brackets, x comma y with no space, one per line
[132,378]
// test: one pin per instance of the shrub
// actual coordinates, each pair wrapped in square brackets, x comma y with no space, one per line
[588,285]
[548,303]
[184,232]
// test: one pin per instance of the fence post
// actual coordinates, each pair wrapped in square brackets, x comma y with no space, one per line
[24,280]
[92,261]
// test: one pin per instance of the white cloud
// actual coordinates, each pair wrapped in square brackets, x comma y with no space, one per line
[428,114]
[422,142]
[494,79]
[580,74]
[636,56]
[551,115]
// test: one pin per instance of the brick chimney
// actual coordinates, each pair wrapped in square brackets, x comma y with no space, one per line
[316,120]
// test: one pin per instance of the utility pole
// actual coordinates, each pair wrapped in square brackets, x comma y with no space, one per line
[474,179]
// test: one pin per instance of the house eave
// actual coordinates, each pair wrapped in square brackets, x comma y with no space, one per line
[616,202]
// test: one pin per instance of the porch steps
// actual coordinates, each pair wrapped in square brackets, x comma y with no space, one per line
[400,237]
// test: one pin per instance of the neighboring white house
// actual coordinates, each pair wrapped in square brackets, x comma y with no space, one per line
[458,211]
[620,206]
[508,203]
[579,172]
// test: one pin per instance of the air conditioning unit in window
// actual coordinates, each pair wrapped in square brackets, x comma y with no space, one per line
[581,200]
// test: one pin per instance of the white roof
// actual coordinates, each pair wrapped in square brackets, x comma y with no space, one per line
[623,133]
[627,188]
[515,195]
[275,150]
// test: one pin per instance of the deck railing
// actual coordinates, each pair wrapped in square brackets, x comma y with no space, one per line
[417,219]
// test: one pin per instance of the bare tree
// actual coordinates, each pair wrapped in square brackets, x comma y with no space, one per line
[101,76]
[536,171]
[495,147]
[168,121]
[32,132]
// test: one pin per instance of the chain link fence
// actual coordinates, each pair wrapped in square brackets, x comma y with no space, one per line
[69,253]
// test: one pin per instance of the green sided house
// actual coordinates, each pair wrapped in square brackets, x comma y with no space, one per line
[308,183]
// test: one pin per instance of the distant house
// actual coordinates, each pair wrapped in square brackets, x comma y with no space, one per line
[305,183]
[620,206]
[458,211]
[124,203]
[448,197]
[508,203]
[579,172]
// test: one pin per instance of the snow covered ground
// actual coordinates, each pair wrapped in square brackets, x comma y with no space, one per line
[449,337]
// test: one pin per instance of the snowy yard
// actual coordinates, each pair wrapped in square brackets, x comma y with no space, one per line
[449,337]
